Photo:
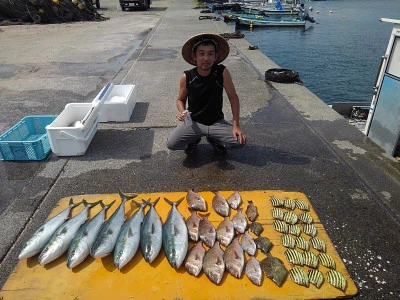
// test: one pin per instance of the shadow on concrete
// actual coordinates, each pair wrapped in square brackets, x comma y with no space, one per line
[140,112]
[253,155]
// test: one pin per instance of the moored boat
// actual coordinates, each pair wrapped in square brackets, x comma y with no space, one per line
[267,22]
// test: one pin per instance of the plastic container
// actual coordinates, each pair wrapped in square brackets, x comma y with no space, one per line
[26,140]
[72,131]
[119,104]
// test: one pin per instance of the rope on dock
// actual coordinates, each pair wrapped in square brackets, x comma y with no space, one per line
[232,35]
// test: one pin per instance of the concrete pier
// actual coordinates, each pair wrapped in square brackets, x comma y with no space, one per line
[295,141]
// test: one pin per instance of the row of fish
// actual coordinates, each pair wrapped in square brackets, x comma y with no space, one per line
[286,223]
[100,238]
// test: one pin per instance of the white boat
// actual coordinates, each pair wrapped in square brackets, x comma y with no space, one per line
[266,22]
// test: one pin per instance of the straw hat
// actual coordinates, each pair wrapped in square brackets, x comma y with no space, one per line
[219,41]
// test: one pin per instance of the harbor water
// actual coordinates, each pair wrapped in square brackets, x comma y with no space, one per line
[338,56]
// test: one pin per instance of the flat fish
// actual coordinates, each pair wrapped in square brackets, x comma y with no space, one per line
[234,200]
[290,217]
[310,230]
[84,239]
[192,224]
[105,241]
[239,221]
[234,258]
[316,278]
[288,203]
[43,234]
[294,256]
[195,201]
[280,226]
[220,205]
[318,244]
[194,260]
[175,235]
[256,228]
[302,243]
[263,244]
[129,237]
[299,276]
[306,218]
[151,234]
[225,232]
[310,259]
[248,244]
[288,241]
[207,233]
[277,213]
[253,271]
[336,279]
[326,260]
[276,201]
[62,238]
[294,229]
[274,269]
[213,263]
[251,211]
[301,205]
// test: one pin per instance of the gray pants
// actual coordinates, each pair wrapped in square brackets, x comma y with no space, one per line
[220,132]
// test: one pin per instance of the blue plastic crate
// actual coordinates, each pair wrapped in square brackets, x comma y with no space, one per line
[26,140]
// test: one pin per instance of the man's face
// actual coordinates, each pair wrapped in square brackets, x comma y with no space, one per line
[205,57]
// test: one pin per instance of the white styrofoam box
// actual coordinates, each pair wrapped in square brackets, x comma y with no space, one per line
[69,134]
[119,104]
[72,131]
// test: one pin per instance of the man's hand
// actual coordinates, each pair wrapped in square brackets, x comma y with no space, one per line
[239,135]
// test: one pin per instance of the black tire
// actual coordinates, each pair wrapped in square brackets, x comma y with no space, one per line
[123,8]
[97,3]
[282,76]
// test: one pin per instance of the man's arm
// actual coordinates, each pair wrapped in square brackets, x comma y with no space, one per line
[235,106]
[182,97]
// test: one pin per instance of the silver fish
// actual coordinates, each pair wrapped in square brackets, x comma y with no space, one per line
[326,260]
[288,241]
[129,237]
[234,258]
[318,244]
[192,224]
[151,234]
[207,233]
[275,201]
[196,201]
[253,271]
[84,239]
[251,211]
[248,244]
[213,263]
[294,256]
[62,238]
[44,233]
[239,221]
[234,200]
[175,235]
[220,205]
[288,203]
[225,232]
[108,234]
[310,230]
[194,260]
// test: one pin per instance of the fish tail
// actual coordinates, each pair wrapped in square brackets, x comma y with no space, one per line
[156,201]
[169,201]
[125,197]
[204,216]
[147,202]
[72,204]
[107,206]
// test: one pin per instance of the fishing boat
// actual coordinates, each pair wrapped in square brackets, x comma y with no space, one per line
[270,11]
[268,22]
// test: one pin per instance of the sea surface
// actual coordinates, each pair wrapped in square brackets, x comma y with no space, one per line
[338,56]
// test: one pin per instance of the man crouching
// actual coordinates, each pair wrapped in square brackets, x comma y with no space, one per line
[202,89]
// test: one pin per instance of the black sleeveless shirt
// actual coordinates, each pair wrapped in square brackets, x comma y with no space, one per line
[205,95]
